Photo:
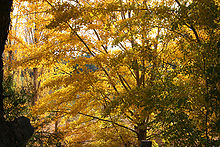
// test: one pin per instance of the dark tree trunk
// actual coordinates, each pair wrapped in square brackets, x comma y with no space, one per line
[141,132]
[17,132]
[5,9]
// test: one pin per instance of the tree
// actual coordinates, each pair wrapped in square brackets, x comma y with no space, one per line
[118,84]
[4,28]
[134,67]
[18,132]
[196,27]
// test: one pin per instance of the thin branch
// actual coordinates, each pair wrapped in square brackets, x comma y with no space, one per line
[100,40]
[122,82]
[49,3]
[110,80]
[94,117]
[122,46]
[92,53]
[190,26]
[195,33]
[63,71]
[126,83]
[177,1]
[30,13]
[131,72]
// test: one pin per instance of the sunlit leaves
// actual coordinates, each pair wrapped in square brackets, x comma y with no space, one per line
[118,68]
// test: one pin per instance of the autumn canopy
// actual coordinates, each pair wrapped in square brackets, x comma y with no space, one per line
[115,72]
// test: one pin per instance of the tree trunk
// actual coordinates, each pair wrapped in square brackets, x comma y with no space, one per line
[141,132]
[17,132]
[35,73]
[5,9]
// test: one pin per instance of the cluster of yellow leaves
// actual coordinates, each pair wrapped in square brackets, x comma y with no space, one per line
[101,59]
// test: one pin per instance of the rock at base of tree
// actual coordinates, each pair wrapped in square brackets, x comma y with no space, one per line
[15,133]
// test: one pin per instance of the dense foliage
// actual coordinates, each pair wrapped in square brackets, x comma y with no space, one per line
[113,72]
[15,101]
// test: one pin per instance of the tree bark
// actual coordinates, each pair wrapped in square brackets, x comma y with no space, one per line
[5,9]
[17,132]
[141,131]
[35,73]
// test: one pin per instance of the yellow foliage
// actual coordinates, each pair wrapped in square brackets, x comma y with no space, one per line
[105,64]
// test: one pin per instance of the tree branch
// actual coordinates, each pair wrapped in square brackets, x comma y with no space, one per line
[190,26]
[94,117]
[177,1]
[96,33]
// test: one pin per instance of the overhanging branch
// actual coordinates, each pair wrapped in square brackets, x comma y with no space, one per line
[94,117]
